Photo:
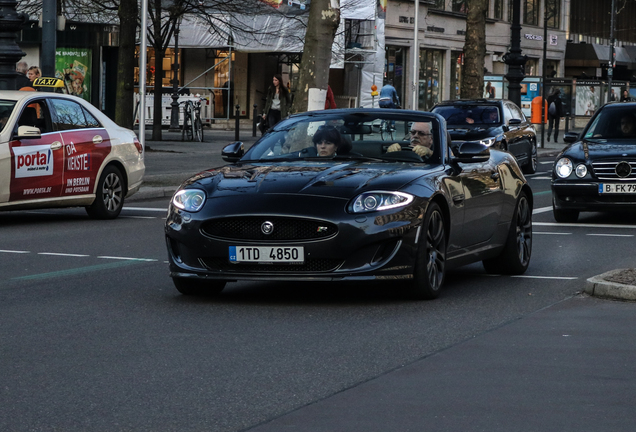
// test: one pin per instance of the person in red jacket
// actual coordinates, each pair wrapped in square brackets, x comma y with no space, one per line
[330,102]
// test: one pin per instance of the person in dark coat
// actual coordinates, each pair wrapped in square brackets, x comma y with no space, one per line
[555,112]
[21,79]
[278,102]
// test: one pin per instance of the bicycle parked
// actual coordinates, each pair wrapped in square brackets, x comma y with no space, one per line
[192,128]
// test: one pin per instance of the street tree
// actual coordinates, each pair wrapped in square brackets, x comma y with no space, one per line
[474,50]
[324,17]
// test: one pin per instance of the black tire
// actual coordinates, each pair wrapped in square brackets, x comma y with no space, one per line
[531,166]
[109,195]
[514,259]
[564,216]
[198,287]
[430,265]
[198,130]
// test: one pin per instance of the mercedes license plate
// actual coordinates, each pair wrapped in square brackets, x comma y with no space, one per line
[617,188]
[267,254]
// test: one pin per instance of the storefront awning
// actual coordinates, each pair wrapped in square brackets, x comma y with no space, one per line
[594,55]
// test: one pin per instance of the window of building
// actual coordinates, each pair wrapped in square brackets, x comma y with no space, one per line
[430,79]
[460,6]
[531,12]
[437,4]
[457,63]
[498,9]
[553,11]
[395,67]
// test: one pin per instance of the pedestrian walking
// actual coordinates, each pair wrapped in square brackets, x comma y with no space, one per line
[21,79]
[555,112]
[278,101]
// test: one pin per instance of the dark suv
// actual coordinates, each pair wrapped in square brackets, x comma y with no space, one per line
[497,123]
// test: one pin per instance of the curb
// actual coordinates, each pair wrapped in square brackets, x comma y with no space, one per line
[597,286]
[145,193]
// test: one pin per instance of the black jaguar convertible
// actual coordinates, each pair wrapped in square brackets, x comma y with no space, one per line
[327,196]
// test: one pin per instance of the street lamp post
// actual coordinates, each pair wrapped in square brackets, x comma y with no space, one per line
[174,112]
[513,58]
[10,53]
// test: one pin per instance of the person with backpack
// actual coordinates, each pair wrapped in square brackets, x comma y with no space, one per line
[555,112]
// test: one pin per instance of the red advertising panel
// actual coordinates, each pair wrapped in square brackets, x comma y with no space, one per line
[84,153]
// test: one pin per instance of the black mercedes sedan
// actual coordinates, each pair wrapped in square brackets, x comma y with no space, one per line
[597,171]
[497,123]
[324,197]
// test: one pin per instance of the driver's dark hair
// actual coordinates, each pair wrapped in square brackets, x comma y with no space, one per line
[327,133]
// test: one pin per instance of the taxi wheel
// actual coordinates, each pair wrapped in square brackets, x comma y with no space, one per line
[198,287]
[109,197]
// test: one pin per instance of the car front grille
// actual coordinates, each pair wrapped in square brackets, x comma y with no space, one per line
[282,229]
[615,170]
[309,266]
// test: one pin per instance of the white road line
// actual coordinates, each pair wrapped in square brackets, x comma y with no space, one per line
[542,210]
[545,163]
[544,277]
[62,254]
[537,174]
[540,178]
[138,217]
[551,233]
[126,258]
[148,209]
[611,235]
[583,225]
[15,251]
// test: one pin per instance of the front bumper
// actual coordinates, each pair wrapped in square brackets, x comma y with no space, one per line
[585,196]
[373,246]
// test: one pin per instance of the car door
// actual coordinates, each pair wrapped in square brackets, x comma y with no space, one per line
[37,164]
[86,145]
[517,138]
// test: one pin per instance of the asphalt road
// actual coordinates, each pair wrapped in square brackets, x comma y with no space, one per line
[94,337]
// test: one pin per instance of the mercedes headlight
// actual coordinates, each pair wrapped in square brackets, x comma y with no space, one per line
[563,167]
[488,141]
[191,200]
[581,170]
[376,201]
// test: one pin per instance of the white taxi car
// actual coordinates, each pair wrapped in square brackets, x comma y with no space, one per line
[58,150]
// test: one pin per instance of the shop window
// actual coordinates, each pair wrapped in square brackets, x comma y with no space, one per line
[395,66]
[162,75]
[460,6]
[430,79]
[553,13]
[531,12]
[498,9]
[437,4]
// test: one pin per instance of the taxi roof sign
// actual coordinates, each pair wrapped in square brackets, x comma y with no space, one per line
[48,82]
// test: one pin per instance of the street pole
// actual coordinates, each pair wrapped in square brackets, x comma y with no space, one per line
[612,55]
[545,72]
[174,112]
[10,53]
[143,59]
[416,52]
[49,37]
[513,58]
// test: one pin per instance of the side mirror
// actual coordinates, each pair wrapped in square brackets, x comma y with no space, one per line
[233,152]
[471,152]
[28,132]
[571,137]
[514,122]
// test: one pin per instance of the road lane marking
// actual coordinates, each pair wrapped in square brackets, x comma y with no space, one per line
[542,209]
[127,258]
[148,209]
[138,217]
[583,225]
[545,277]
[15,251]
[551,233]
[75,271]
[611,235]
[62,254]
[540,178]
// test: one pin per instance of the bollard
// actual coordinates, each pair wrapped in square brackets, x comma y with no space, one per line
[567,122]
[254,119]
[236,122]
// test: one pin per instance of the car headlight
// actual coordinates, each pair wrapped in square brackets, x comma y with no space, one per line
[191,200]
[488,141]
[376,201]
[581,170]
[563,167]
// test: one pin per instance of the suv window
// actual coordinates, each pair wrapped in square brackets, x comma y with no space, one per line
[71,115]
[465,114]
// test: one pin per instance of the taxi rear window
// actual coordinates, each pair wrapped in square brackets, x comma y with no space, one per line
[6,108]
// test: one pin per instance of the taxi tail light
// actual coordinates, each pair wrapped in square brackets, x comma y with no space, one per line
[140,148]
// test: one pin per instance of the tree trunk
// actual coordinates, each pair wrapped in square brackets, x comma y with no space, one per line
[314,66]
[158,88]
[474,50]
[126,63]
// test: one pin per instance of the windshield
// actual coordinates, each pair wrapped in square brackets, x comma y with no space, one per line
[352,134]
[6,108]
[470,114]
[614,122]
